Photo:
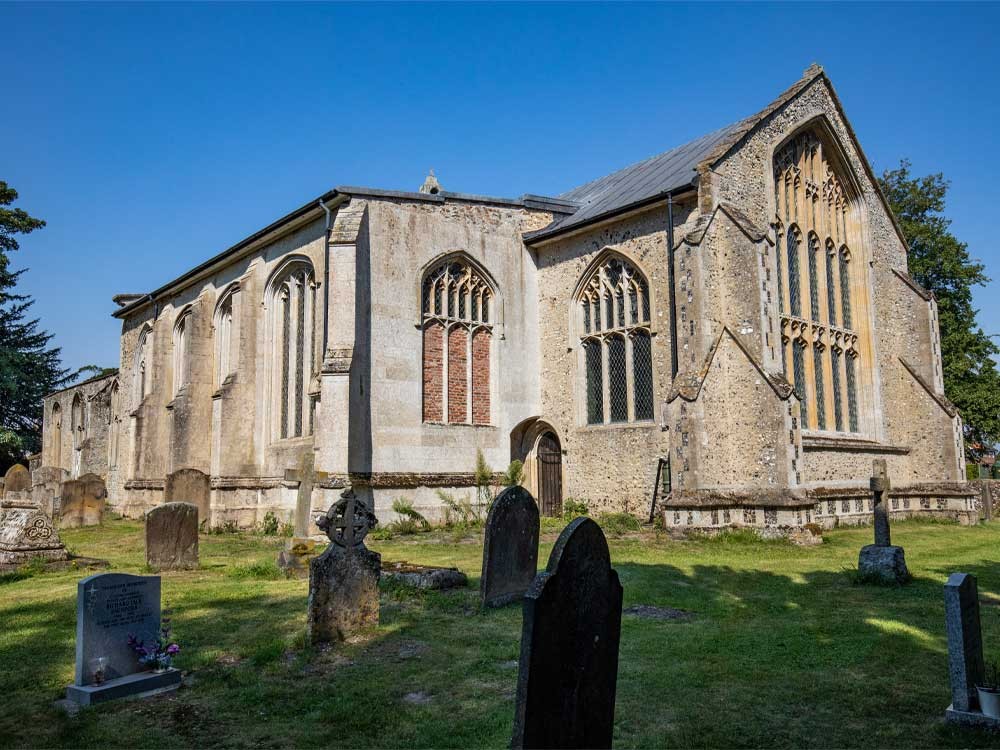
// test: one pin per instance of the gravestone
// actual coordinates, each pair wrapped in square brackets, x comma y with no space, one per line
[300,550]
[81,502]
[172,537]
[46,488]
[343,581]
[881,562]
[110,607]
[189,486]
[27,533]
[965,641]
[510,548]
[17,479]
[568,670]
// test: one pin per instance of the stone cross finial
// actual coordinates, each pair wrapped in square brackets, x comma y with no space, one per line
[880,486]
[348,521]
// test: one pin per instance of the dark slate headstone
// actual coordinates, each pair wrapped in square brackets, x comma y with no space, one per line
[109,608]
[172,537]
[189,486]
[568,670]
[510,548]
[965,640]
[17,479]
[81,502]
[343,581]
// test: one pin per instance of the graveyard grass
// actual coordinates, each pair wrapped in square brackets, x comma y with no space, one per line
[784,650]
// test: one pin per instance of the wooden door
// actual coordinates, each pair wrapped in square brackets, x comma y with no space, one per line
[550,475]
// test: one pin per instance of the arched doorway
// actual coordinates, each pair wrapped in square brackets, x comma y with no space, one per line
[549,454]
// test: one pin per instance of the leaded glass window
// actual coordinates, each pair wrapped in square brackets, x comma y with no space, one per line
[615,327]
[595,381]
[818,361]
[816,212]
[838,406]
[643,363]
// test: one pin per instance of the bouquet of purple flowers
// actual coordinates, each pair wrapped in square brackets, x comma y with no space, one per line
[160,653]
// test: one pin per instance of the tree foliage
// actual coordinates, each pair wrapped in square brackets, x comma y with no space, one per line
[29,368]
[940,263]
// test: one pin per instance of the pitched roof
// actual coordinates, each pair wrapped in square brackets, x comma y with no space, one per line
[639,183]
[650,180]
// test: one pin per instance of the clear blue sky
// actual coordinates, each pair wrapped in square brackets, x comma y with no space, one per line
[151,137]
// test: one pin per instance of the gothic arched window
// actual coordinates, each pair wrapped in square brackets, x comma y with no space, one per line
[114,424]
[226,337]
[181,340]
[77,421]
[140,377]
[57,436]
[819,340]
[457,318]
[614,319]
[291,301]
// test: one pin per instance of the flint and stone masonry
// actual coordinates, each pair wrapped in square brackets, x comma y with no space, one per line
[737,310]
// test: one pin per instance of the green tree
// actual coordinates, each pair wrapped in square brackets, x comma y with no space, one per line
[29,369]
[940,263]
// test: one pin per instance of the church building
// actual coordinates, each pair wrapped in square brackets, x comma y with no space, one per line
[726,329]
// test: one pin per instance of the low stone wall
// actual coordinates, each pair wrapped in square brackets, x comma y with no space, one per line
[826,507]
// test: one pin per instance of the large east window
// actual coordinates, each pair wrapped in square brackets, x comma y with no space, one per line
[817,222]
[614,321]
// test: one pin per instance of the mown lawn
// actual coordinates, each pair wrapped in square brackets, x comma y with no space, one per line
[784,651]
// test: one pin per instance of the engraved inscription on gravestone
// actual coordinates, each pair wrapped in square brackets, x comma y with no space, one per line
[111,607]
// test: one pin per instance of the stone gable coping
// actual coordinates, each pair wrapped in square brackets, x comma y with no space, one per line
[949,408]
[908,280]
[740,219]
[348,223]
[687,385]
[811,74]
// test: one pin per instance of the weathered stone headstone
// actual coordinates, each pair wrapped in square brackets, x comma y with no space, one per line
[343,581]
[172,537]
[882,561]
[189,486]
[568,670]
[46,486]
[81,502]
[17,479]
[510,548]
[109,608]
[300,550]
[965,640]
[27,533]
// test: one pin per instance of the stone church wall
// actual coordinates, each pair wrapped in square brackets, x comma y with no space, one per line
[411,458]
[85,447]
[897,319]
[609,467]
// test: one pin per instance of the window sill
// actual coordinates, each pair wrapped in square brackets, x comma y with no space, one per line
[645,424]
[823,441]
[459,424]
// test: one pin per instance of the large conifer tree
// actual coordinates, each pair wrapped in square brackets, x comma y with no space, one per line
[941,264]
[29,368]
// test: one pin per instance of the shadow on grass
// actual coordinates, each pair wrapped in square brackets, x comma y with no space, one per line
[803,658]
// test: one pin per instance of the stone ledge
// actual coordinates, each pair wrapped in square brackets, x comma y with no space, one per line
[139,685]
[973,719]
[852,445]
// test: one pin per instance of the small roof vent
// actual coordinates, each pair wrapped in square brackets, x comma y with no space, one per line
[431,185]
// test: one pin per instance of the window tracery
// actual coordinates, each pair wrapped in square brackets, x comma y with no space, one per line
[226,338]
[292,302]
[614,317]
[457,308]
[181,338]
[140,378]
[819,341]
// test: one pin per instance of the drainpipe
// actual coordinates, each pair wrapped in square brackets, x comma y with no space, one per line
[326,281]
[674,365]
